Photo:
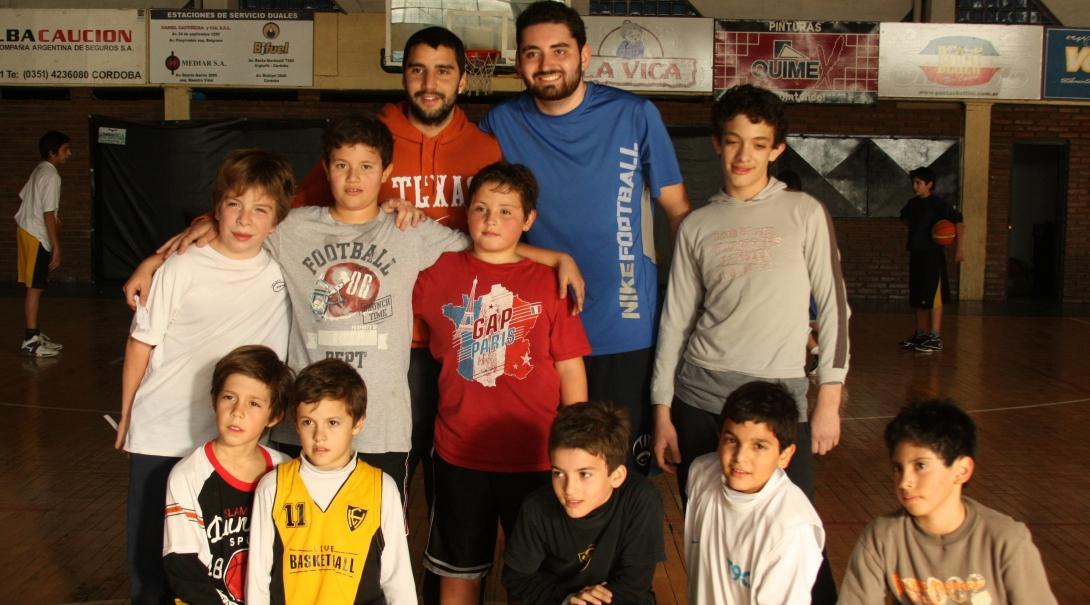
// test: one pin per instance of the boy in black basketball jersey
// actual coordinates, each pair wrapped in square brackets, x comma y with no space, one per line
[210,493]
[328,528]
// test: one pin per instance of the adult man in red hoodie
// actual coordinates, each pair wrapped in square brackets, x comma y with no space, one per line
[437,150]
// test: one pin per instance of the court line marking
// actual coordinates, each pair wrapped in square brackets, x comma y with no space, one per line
[1080,320]
[1003,409]
[54,408]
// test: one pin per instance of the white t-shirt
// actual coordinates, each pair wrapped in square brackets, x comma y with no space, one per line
[202,305]
[749,548]
[40,194]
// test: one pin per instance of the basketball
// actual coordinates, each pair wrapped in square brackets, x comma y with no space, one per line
[944,233]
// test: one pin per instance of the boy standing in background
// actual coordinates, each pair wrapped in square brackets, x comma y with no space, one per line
[38,236]
[928,287]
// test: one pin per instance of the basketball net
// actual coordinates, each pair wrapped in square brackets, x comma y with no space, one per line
[480,66]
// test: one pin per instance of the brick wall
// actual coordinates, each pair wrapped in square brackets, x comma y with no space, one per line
[1011,123]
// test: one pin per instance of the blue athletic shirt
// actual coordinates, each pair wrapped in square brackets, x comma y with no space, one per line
[592,165]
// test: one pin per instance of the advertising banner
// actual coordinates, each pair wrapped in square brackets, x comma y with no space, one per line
[650,54]
[1067,63]
[960,61]
[72,46]
[801,61]
[232,48]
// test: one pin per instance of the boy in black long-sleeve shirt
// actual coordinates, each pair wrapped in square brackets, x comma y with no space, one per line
[596,536]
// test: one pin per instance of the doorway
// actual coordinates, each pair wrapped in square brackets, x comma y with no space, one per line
[1036,225]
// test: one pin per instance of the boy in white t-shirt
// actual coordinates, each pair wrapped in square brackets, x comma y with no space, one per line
[37,236]
[200,305]
[751,535]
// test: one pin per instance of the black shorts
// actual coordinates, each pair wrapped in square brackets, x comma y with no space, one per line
[32,259]
[927,281]
[467,505]
[625,379]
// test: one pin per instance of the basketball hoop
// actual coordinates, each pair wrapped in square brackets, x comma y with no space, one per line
[480,66]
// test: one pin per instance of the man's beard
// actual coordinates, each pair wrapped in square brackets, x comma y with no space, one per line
[554,91]
[434,117]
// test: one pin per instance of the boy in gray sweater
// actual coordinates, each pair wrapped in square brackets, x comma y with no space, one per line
[737,305]
[940,546]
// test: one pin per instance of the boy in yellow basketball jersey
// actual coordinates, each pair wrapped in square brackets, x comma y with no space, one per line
[326,527]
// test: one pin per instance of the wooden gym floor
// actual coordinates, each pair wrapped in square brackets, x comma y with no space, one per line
[1023,376]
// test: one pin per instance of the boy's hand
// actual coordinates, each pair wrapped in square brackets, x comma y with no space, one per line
[592,595]
[667,454]
[139,283]
[55,260]
[408,215]
[570,276]
[825,420]
[201,231]
[122,431]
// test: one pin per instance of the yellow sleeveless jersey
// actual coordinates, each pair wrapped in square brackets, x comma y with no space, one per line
[327,556]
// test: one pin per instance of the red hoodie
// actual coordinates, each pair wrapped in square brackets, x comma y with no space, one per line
[433,173]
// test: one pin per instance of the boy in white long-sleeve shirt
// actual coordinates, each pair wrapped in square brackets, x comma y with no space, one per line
[326,527]
[751,535]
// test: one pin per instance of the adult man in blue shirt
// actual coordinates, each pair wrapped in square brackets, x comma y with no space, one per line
[600,155]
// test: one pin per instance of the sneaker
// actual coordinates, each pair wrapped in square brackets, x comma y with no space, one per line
[933,342]
[36,347]
[49,342]
[914,341]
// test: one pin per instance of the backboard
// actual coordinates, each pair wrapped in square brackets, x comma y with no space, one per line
[481,24]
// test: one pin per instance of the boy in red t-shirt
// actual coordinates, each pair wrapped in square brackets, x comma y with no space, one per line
[511,352]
